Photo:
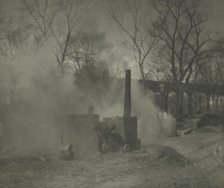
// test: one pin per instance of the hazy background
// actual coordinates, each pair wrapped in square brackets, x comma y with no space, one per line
[97,18]
[41,94]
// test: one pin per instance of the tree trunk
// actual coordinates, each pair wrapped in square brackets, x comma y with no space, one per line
[190,103]
[208,102]
[164,100]
[200,103]
[195,103]
[213,102]
[179,95]
[217,103]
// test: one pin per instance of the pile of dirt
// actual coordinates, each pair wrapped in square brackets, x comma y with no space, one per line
[169,156]
[210,119]
[160,156]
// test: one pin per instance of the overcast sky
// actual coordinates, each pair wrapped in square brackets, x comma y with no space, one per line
[214,9]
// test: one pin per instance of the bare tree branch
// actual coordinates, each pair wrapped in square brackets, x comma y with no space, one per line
[135,24]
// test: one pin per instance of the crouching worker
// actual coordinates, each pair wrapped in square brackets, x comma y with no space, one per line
[67,153]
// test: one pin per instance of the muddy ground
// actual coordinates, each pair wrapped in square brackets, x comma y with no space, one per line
[190,164]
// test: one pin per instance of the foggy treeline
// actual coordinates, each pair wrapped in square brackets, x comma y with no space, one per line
[60,56]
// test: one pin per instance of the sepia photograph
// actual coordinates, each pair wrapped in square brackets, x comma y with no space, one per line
[111,93]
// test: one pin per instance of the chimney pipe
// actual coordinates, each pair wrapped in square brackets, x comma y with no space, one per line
[127,94]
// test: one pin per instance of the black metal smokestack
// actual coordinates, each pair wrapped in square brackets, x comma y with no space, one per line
[127,94]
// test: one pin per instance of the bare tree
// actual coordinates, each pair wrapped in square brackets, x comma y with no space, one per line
[133,18]
[42,13]
[212,71]
[85,52]
[86,48]
[179,29]
[13,37]
[58,20]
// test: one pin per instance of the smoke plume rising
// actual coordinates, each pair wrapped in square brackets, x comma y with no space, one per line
[41,95]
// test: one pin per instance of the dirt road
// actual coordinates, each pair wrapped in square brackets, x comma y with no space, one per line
[192,167]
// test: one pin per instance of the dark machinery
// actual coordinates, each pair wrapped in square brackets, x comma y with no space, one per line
[119,133]
[108,139]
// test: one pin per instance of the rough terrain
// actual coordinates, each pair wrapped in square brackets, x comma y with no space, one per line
[190,165]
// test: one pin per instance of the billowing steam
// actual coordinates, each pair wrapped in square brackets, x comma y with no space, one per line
[152,122]
[40,95]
